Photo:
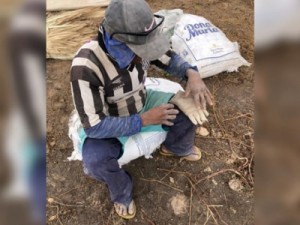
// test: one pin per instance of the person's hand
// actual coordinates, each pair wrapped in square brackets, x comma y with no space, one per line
[187,105]
[197,88]
[160,115]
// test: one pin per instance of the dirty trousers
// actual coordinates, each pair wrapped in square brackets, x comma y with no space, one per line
[100,157]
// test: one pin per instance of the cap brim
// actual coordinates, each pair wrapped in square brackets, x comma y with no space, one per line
[153,49]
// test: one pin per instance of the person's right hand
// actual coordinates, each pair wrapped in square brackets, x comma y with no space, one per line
[160,115]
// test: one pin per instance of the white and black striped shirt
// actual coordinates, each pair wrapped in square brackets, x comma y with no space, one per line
[100,88]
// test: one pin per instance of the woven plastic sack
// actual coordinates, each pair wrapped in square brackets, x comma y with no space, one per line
[141,144]
[204,45]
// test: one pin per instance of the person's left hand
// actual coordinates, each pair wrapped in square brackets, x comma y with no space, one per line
[197,88]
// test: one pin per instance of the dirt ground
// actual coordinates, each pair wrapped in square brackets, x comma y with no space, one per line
[166,191]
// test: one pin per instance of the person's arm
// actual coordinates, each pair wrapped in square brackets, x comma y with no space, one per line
[110,127]
[126,126]
[89,101]
[173,64]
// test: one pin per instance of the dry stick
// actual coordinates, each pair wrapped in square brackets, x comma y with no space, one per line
[67,205]
[147,218]
[233,151]
[209,213]
[174,171]
[212,215]
[213,206]
[237,141]
[160,182]
[247,115]
[191,202]
[59,196]
[207,217]
[231,139]
[169,172]
[202,151]
[223,129]
[59,220]
[246,159]
[215,112]
[57,215]
[219,172]
[192,184]
[141,172]
[236,155]
[249,167]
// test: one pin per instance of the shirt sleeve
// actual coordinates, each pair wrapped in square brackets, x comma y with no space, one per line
[173,64]
[111,127]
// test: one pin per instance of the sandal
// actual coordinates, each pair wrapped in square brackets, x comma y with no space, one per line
[128,216]
[194,156]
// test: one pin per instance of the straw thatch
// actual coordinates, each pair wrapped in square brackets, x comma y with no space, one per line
[68,30]
[55,5]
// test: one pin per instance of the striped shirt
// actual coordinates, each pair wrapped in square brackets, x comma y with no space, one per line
[101,89]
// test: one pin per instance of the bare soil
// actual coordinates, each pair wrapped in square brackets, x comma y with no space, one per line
[166,191]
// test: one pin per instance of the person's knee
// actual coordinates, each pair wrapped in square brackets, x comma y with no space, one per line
[183,120]
[93,163]
[99,155]
[94,155]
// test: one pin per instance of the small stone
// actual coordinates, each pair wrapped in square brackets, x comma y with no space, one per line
[219,134]
[172,180]
[215,182]
[233,210]
[202,131]
[49,129]
[50,200]
[235,185]
[52,143]
[52,218]
[207,169]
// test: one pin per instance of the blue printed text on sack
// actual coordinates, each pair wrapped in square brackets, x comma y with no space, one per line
[198,29]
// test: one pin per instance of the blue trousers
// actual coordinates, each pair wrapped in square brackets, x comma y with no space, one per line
[100,157]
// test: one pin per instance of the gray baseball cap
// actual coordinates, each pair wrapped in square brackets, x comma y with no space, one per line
[132,22]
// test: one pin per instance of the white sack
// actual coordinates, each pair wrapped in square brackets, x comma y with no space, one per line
[204,45]
[141,144]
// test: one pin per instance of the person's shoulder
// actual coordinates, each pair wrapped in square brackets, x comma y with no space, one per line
[87,48]
[86,61]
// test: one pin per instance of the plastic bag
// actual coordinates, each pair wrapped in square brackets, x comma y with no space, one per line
[161,84]
[75,127]
[171,18]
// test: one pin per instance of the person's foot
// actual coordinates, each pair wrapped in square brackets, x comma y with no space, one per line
[195,155]
[126,212]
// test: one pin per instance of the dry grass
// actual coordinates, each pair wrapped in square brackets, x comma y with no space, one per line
[68,30]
